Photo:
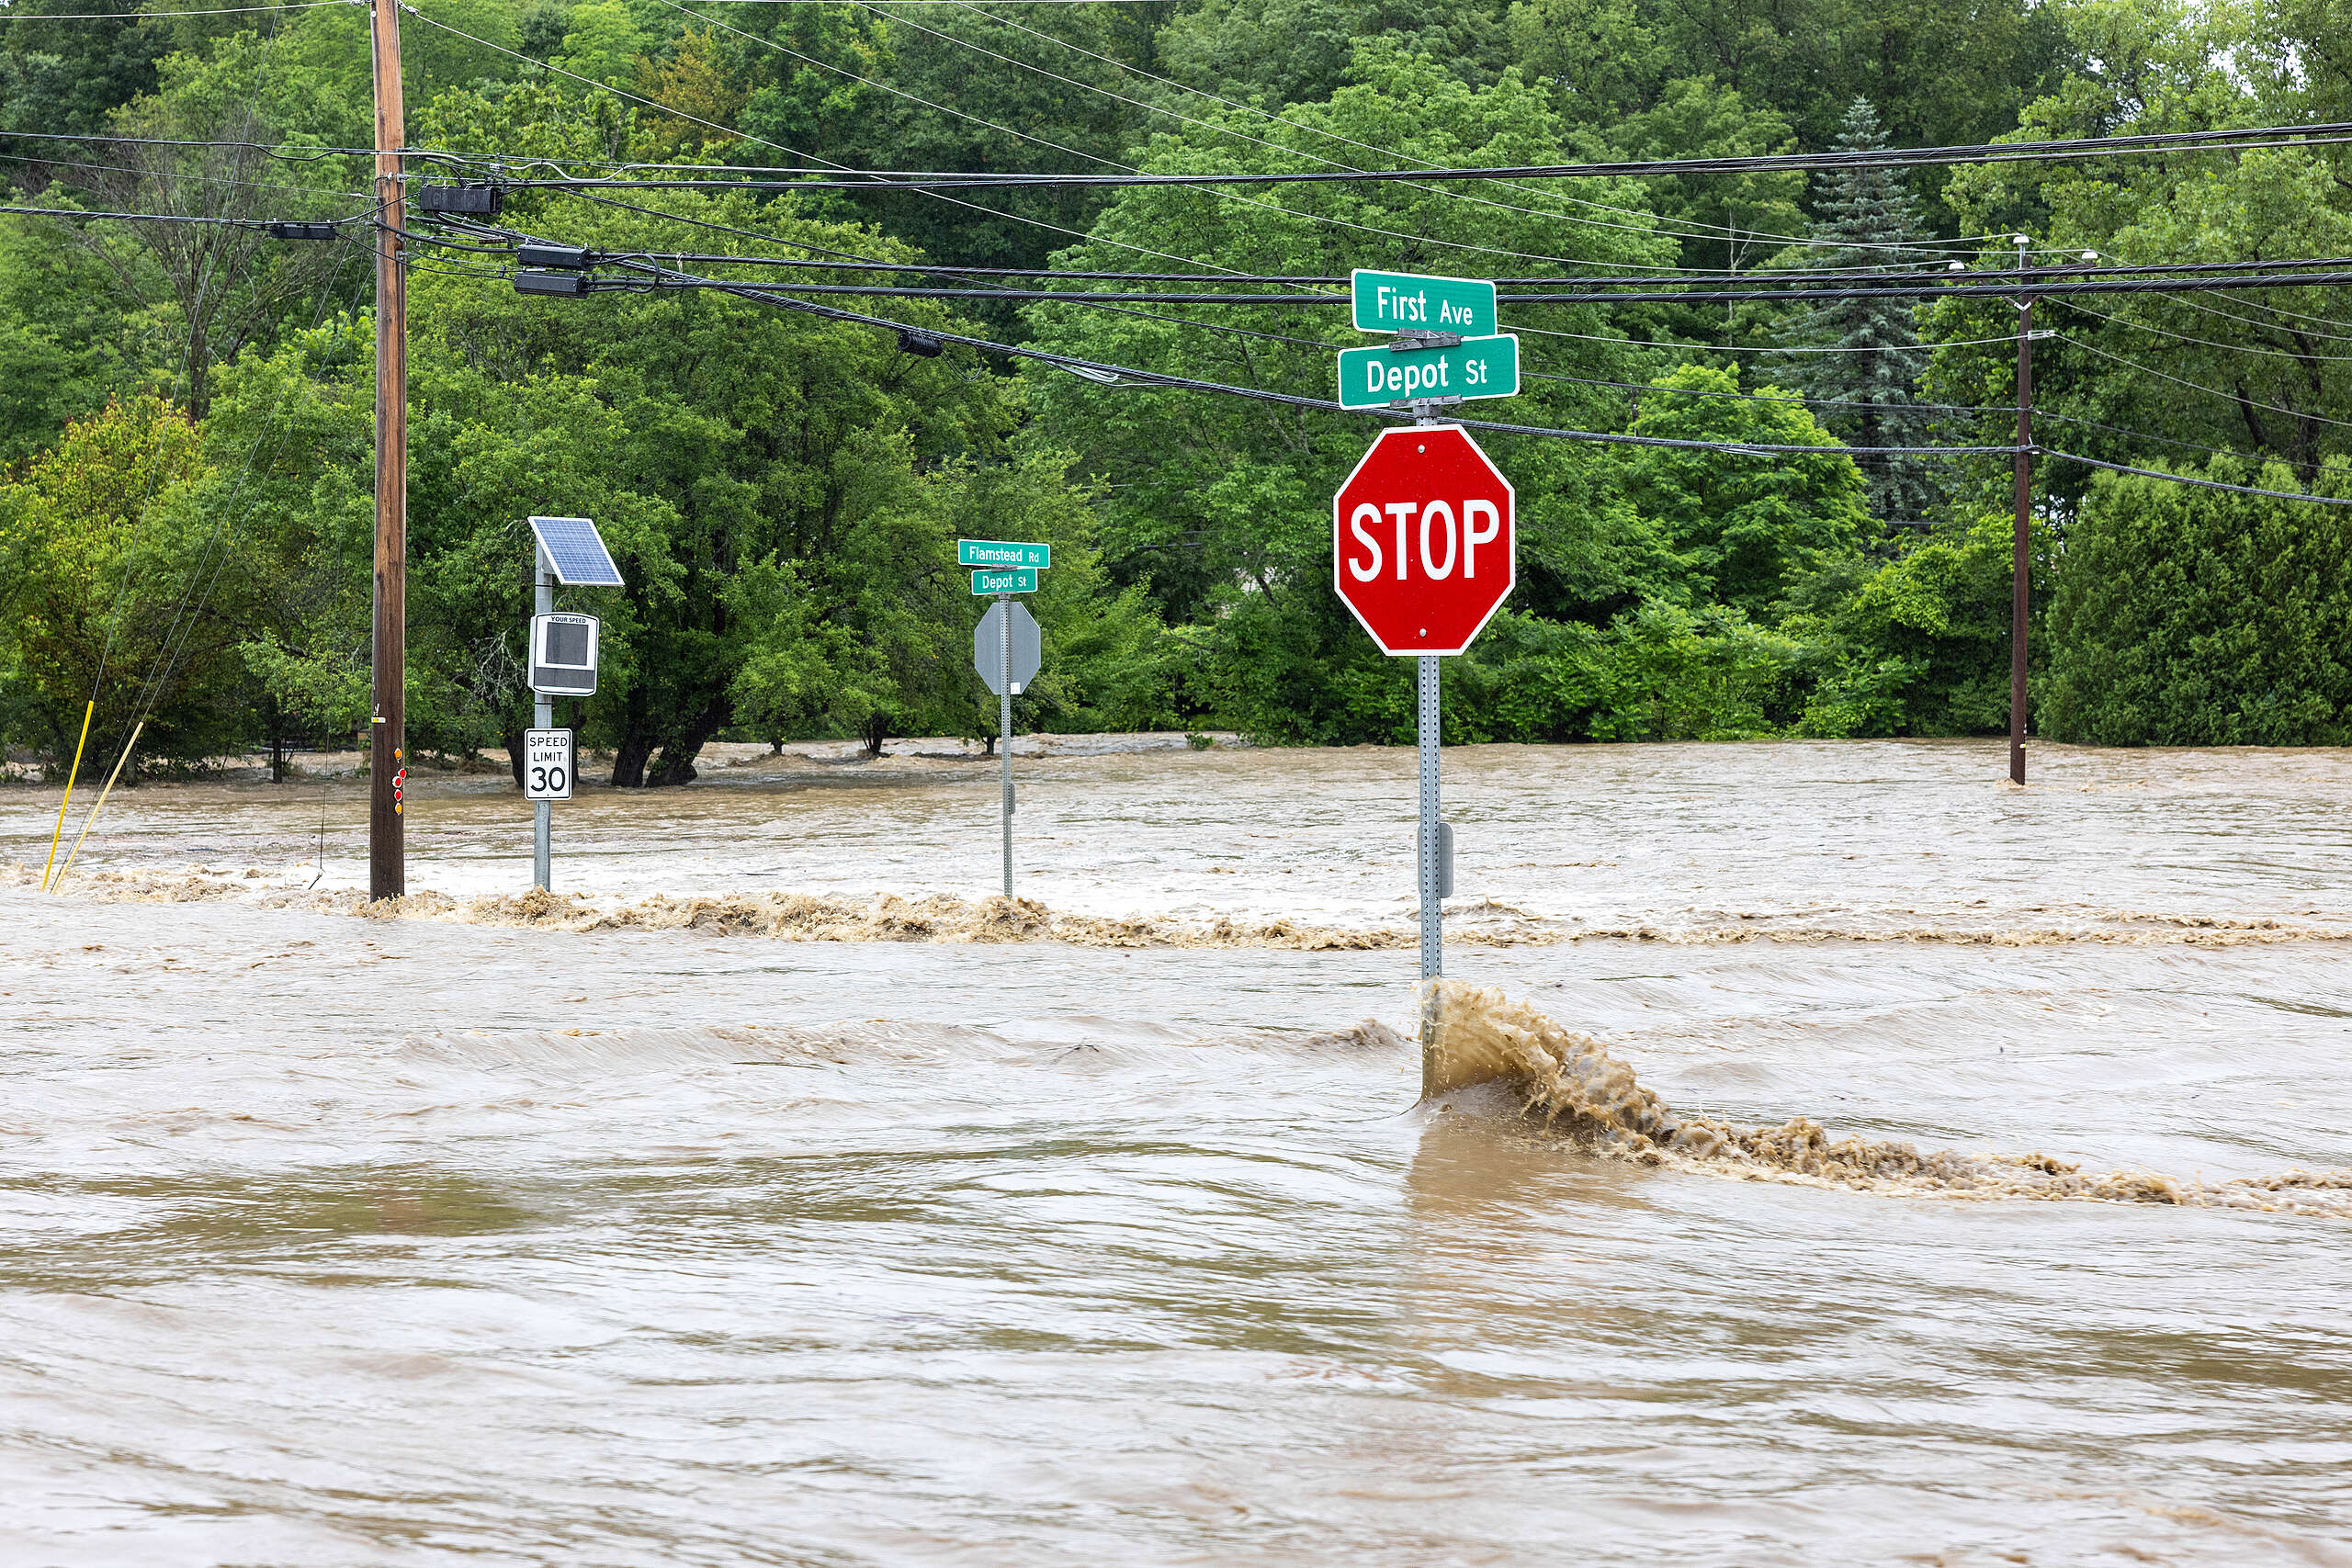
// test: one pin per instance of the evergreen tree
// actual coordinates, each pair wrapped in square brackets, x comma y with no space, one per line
[1866,391]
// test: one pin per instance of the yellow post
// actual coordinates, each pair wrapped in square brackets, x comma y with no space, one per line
[70,777]
[101,806]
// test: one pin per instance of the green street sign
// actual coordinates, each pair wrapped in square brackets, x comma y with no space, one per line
[1475,367]
[1012,579]
[1405,302]
[1000,552]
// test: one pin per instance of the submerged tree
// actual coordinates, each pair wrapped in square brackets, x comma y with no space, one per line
[1867,390]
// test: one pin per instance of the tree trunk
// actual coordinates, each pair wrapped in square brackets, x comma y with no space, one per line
[678,752]
[628,761]
[513,740]
[877,730]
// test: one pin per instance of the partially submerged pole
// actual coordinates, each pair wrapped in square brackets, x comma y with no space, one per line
[1432,832]
[1005,730]
[542,717]
[388,731]
[2022,525]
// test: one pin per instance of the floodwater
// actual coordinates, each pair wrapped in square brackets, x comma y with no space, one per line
[327,1240]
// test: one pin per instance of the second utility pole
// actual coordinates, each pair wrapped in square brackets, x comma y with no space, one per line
[2024,524]
[388,725]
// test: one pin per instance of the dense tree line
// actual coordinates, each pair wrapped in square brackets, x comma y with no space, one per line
[185,410]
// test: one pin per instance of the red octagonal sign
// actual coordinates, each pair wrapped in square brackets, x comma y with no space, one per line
[1424,549]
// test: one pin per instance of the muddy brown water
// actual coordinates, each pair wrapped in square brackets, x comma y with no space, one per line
[327,1240]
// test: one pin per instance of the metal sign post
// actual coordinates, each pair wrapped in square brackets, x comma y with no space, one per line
[1005,738]
[1429,843]
[561,661]
[542,717]
[1006,646]
[1424,532]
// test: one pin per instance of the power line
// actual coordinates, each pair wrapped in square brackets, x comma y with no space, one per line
[2328,134]
[659,277]
[1946,281]
[171,216]
[1100,302]
[2201,387]
[166,176]
[1693,229]
[2009,290]
[2209,342]
[2052,281]
[2186,479]
[1650,228]
[746,136]
[12,15]
[2284,324]
[1093,157]
[2322,467]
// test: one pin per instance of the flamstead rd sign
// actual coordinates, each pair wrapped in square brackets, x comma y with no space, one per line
[1424,549]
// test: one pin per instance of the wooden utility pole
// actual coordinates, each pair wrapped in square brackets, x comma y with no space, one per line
[2023,524]
[388,730]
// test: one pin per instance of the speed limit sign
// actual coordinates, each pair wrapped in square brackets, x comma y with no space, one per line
[547,764]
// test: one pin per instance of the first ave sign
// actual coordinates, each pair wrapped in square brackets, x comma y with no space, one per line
[1424,549]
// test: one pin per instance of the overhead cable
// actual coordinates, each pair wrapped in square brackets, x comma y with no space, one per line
[659,277]
[746,136]
[1693,229]
[2209,342]
[2188,480]
[2224,395]
[12,15]
[1651,227]
[1093,157]
[2332,133]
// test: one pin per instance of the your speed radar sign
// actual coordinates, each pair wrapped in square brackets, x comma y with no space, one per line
[1424,550]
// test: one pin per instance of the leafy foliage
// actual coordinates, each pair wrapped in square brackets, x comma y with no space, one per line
[2197,617]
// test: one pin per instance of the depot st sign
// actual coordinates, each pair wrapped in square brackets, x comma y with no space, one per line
[1424,543]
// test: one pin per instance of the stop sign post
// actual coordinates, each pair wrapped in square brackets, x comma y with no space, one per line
[1424,550]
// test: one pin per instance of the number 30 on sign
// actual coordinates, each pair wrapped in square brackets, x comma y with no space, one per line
[547,764]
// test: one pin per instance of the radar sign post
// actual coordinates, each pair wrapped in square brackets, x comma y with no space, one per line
[562,664]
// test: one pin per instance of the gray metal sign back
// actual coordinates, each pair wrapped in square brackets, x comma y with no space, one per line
[988,647]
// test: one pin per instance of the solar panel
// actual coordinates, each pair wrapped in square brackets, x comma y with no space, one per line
[573,550]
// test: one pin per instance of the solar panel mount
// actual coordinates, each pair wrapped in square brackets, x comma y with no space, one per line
[576,551]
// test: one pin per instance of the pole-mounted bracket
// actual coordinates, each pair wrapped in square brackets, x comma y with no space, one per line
[1416,342]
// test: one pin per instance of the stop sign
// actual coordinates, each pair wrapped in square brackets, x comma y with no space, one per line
[1423,547]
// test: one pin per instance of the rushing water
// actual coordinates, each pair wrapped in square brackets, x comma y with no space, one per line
[328,1241]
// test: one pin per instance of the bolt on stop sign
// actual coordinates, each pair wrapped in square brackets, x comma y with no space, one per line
[1424,549]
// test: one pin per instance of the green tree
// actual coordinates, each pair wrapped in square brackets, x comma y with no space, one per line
[1222,506]
[2259,372]
[2198,617]
[1746,529]
[1865,220]
[106,541]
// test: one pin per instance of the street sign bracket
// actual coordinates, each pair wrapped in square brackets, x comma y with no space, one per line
[1414,343]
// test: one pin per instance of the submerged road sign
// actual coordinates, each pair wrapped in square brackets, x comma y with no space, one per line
[988,647]
[1424,550]
[1014,580]
[1475,367]
[1409,302]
